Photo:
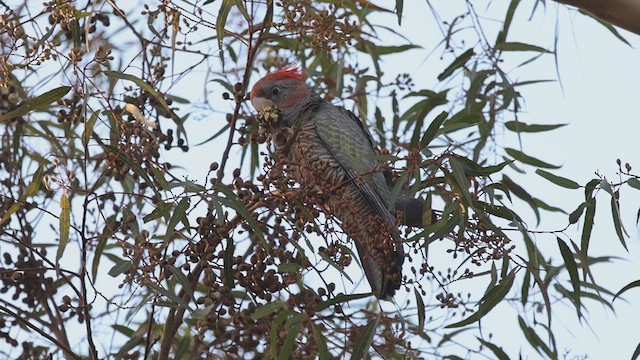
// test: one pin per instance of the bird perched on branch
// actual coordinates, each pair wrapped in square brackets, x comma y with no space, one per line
[333,148]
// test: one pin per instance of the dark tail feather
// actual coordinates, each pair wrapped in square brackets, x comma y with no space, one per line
[383,284]
[414,212]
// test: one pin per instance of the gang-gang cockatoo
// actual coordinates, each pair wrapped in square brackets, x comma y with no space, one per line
[331,147]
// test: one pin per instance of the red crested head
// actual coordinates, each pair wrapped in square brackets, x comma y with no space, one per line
[282,89]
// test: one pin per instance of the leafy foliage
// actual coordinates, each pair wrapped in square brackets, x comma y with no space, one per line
[94,101]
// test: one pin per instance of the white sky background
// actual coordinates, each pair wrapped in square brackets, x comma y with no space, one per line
[601,82]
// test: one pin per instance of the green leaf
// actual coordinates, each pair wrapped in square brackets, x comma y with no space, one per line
[607,25]
[497,351]
[135,166]
[572,268]
[392,49]
[634,183]
[102,243]
[502,35]
[421,310]
[162,210]
[32,189]
[534,339]
[518,46]
[492,298]
[36,103]
[517,126]
[243,10]
[432,130]
[267,309]
[617,223]
[558,180]
[65,225]
[181,278]
[179,214]
[526,159]
[228,263]
[588,225]
[321,342]
[577,213]
[459,62]
[170,295]
[340,299]
[399,8]
[239,207]
[143,84]
[88,128]
[221,21]
[629,286]
[119,267]
[460,178]
[636,353]
[292,328]
[364,341]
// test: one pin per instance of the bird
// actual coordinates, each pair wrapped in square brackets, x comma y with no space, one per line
[333,149]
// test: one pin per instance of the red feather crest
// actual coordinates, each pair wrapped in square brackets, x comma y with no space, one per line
[289,72]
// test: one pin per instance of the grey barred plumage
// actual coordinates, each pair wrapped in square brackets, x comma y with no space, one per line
[332,149]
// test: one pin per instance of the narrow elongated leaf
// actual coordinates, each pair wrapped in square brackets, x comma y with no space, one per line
[421,310]
[459,62]
[394,49]
[432,130]
[88,128]
[534,339]
[607,25]
[362,345]
[572,268]
[243,10]
[636,353]
[617,223]
[119,267]
[340,299]
[239,207]
[399,8]
[65,225]
[37,103]
[221,21]
[292,327]
[490,300]
[629,286]
[143,84]
[634,183]
[170,295]
[518,46]
[588,225]
[32,189]
[530,160]
[460,178]
[179,214]
[321,342]
[266,310]
[577,213]
[228,263]
[518,126]
[558,180]
[502,35]
[497,351]
[183,281]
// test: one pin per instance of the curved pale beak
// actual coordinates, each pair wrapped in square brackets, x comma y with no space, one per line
[260,103]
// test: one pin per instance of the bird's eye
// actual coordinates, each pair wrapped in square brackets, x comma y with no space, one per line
[275,91]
